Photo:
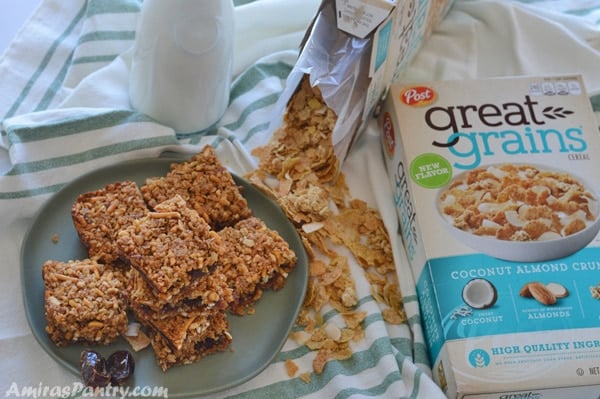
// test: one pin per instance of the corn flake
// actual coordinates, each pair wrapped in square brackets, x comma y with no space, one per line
[298,168]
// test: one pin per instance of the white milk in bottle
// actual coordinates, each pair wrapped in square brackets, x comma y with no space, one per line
[182,62]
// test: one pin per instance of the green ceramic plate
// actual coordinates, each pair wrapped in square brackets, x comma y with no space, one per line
[257,338]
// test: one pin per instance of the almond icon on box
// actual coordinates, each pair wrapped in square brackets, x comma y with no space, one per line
[546,294]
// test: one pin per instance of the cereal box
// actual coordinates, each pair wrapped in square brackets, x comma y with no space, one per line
[496,184]
[352,51]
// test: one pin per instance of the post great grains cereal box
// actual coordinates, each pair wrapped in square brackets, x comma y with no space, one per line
[496,184]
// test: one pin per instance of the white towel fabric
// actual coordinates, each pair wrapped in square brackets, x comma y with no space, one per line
[65,111]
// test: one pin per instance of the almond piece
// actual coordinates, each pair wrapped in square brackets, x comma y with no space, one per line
[524,292]
[542,294]
[559,290]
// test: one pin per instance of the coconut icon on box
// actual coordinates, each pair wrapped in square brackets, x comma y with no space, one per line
[479,293]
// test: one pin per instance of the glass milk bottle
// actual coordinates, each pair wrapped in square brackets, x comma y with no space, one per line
[182,62]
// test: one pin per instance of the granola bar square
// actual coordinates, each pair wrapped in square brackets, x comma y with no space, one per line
[205,184]
[193,351]
[176,327]
[186,337]
[209,290]
[170,246]
[99,215]
[84,302]
[257,258]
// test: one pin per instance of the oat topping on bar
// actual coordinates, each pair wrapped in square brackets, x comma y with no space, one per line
[99,215]
[170,245]
[205,184]
[84,302]
[256,258]
[208,290]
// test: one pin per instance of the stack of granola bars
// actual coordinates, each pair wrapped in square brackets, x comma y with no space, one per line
[187,250]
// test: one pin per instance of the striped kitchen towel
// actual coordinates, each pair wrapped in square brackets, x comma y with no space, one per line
[65,111]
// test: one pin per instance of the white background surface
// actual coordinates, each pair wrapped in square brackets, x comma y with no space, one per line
[13,16]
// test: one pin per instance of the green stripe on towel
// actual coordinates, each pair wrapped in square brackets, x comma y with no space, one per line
[73,126]
[90,155]
[45,61]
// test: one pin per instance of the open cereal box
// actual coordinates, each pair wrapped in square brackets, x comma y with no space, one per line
[496,184]
[352,52]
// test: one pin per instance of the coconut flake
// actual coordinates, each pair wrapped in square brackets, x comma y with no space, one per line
[272,182]
[513,218]
[448,200]
[333,331]
[486,223]
[333,207]
[497,172]
[133,329]
[487,207]
[549,235]
[300,337]
[312,227]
